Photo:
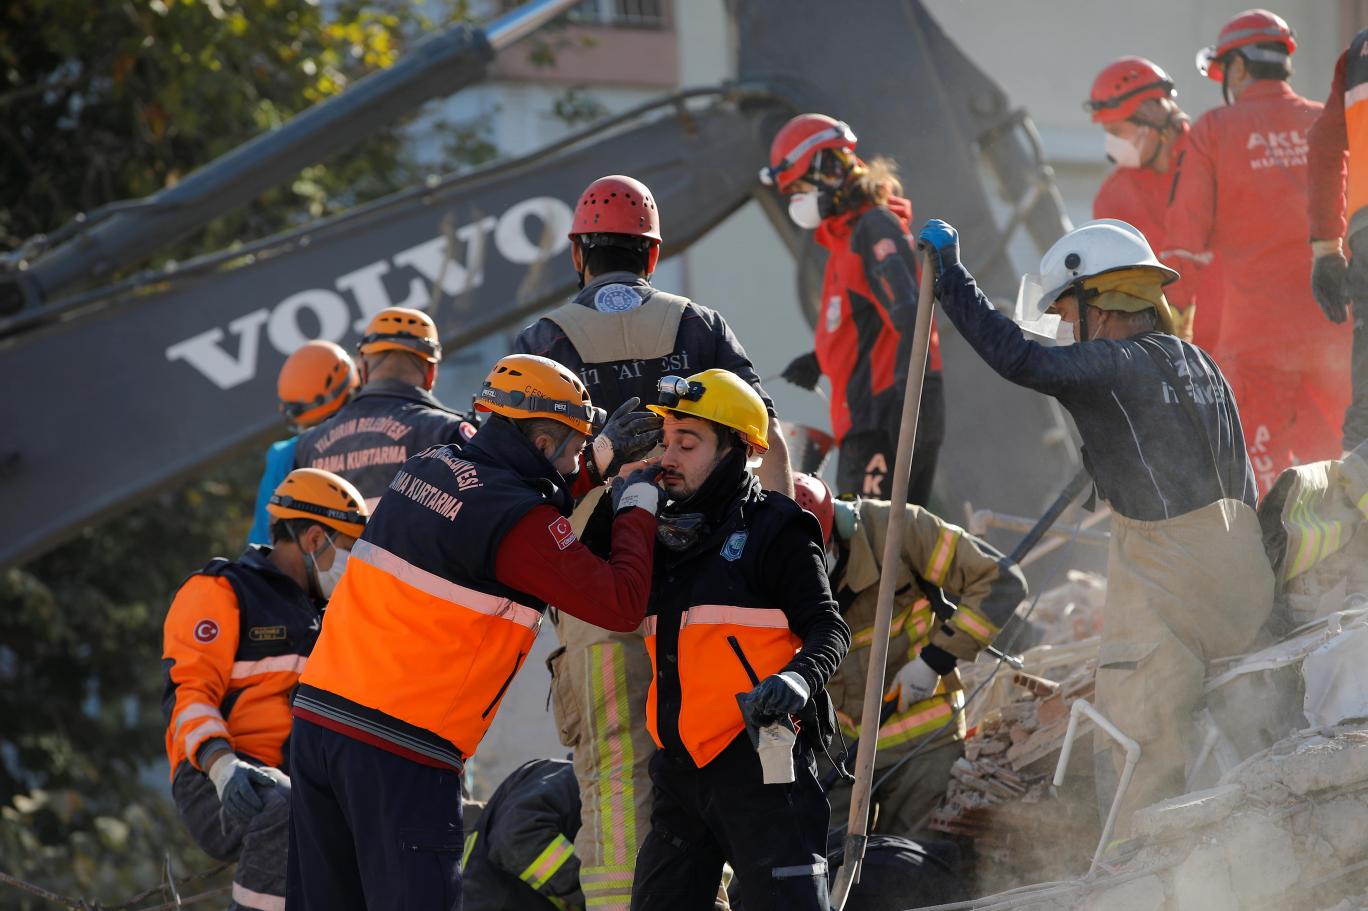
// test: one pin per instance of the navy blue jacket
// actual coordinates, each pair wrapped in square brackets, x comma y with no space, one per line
[1146,457]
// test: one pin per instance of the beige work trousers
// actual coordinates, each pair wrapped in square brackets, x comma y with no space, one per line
[599,684]
[1180,592]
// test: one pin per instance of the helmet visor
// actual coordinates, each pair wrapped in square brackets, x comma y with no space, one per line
[1032,307]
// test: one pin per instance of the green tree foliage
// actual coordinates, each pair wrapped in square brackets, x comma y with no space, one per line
[101,102]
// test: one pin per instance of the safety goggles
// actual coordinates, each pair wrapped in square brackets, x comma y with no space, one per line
[285,501]
[536,404]
[1093,105]
[770,176]
[674,389]
[408,340]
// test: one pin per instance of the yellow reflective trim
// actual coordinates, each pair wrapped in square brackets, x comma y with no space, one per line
[615,754]
[942,556]
[469,847]
[545,865]
[975,624]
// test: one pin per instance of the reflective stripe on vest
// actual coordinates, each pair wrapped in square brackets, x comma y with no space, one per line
[713,638]
[435,585]
[1356,129]
[424,650]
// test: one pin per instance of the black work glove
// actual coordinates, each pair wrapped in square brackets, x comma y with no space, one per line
[779,695]
[638,489]
[1328,275]
[803,371]
[627,435]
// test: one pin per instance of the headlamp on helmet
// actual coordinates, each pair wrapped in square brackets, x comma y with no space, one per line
[673,389]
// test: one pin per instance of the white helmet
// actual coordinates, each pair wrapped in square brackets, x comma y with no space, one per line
[1105,245]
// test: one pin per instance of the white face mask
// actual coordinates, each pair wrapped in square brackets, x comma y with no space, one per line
[804,211]
[1064,334]
[328,579]
[1125,153]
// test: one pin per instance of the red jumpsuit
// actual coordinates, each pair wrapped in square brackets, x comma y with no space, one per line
[1140,196]
[1241,192]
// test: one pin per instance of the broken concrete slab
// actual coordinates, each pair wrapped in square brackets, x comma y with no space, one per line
[1323,764]
[1143,894]
[1188,811]
[1260,856]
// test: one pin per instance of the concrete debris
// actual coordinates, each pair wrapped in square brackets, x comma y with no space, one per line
[1190,811]
[1287,829]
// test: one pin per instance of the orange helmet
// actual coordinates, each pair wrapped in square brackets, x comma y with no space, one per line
[1253,26]
[525,386]
[813,494]
[1124,85]
[315,381]
[402,329]
[322,497]
[796,146]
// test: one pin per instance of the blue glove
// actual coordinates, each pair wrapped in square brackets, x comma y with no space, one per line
[942,240]
[779,695]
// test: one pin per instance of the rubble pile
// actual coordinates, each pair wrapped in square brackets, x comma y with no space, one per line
[999,795]
[1288,828]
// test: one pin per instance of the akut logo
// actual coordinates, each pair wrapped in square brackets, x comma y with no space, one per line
[332,310]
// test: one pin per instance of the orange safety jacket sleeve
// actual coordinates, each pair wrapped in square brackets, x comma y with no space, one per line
[199,643]
[1328,142]
[542,557]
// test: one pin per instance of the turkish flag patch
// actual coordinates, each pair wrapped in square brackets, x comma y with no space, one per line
[884,248]
[561,532]
[206,631]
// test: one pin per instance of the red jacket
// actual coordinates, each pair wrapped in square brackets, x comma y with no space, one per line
[1140,196]
[1327,162]
[869,308]
[1240,193]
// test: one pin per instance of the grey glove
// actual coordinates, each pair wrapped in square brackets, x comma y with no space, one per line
[236,783]
[637,490]
[627,435]
[779,694]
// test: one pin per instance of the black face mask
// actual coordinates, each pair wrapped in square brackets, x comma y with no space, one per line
[680,532]
[683,523]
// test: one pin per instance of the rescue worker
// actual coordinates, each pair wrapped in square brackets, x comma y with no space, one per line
[929,636]
[1162,439]
[621,335]
[315,381]
[235,639]
[519,856]
[869,302]
[1240,193]
[740,611]
[1133,100]
[1339,143]
[439,607]
[394,415]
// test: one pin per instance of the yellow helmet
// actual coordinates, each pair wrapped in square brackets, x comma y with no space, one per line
[719,396]
[326,498]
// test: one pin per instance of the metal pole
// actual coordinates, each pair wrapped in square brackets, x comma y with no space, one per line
[1083,707]
[433,68]
[517,24]
[857,827]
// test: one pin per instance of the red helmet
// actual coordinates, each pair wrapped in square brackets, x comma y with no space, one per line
[617,204]
[1124,85]
[794,146]
[1253,26]
[813,494]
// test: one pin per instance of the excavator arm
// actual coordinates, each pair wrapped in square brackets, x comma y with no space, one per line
[114,393]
